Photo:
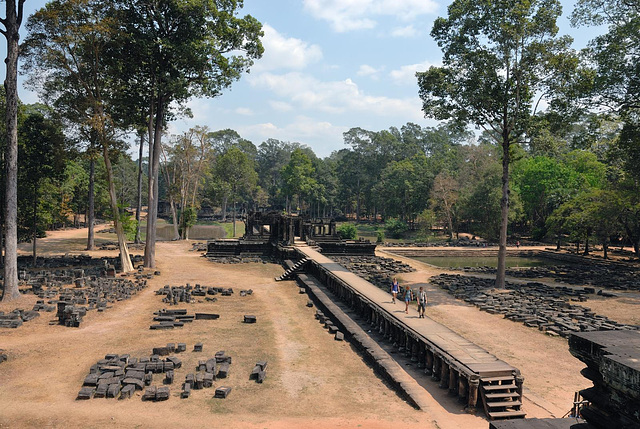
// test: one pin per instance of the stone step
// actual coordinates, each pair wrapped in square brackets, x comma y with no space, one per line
[493,387]
[507,415]
[504,404]
[502,395]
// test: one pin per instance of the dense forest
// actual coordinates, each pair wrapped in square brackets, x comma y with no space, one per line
[536,140]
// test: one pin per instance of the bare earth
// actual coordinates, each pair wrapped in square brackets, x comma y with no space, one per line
[312,381]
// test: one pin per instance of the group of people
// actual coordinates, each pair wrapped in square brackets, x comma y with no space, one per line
[408,297]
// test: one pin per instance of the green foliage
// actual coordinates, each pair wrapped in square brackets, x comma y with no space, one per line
[426,220]
[189,216]
[348,231]
[297,175]
[379,236]
[396,227]
[129,224]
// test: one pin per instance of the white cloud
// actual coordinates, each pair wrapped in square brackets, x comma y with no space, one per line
[280,106]
[335,97]
[245,111]
[367,70]
[348,15]
[282,52]
[406,75]
[408,31]
[302,129]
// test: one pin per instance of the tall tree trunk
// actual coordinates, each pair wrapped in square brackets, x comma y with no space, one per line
[605,249]
[234,219]
[125,260]
[586,246]
[11,22]
[138,239]
[154,163]
[35,223]
[174,217]
[504,211]
[91,215]
[224,208]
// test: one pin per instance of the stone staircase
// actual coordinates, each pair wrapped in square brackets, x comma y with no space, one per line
[292,270]
[501,398]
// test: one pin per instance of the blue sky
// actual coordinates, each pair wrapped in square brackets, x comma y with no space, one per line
[329,65]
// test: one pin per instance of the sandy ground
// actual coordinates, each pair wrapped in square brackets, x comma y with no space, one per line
[312,380]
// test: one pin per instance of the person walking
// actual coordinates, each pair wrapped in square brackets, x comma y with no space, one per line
[408,297]
[422,302]
[394,289]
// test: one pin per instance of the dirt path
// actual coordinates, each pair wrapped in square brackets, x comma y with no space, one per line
[312,380]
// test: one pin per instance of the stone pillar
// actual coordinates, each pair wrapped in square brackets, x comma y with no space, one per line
[462,388]
[421,354]
[444,375]
[415,352]
[453,381]
[428,362]
[519,383]
[474,384]
[437,364]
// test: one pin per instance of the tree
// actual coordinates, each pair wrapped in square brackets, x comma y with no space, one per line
[237,177]
[67,42]
[444,196]
[297,177]
[41,154]
[174,50]
[498,55]
[11,23]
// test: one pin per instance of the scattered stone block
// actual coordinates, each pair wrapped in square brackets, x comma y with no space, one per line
[162,351]
[223,372]
[101,391]
[127,391]
[162,393]
[186,390]
[135,382]
[197,347]
[339,336]
[85,393]
[91,380]
[182,347]
[207,380]
[207,316]
[168,377]
[250,319]
[222,392]
[177,363]
[199,382]
[150,393]
[113,390]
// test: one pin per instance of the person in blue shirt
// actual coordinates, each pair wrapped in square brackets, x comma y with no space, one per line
[394,289]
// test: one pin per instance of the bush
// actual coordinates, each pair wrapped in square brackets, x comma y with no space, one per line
[379,236]
[396,227]
[348,231]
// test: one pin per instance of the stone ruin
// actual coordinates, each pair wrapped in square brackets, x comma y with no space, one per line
[613,365]
[609,275]
[120,376]
[268,233]
[534,304]
[375,269]
[612,360]
[176,318]
[3,356]
[71,286]
[15,318]
[173,295]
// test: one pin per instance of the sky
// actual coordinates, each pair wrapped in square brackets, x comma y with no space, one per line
[328,66]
